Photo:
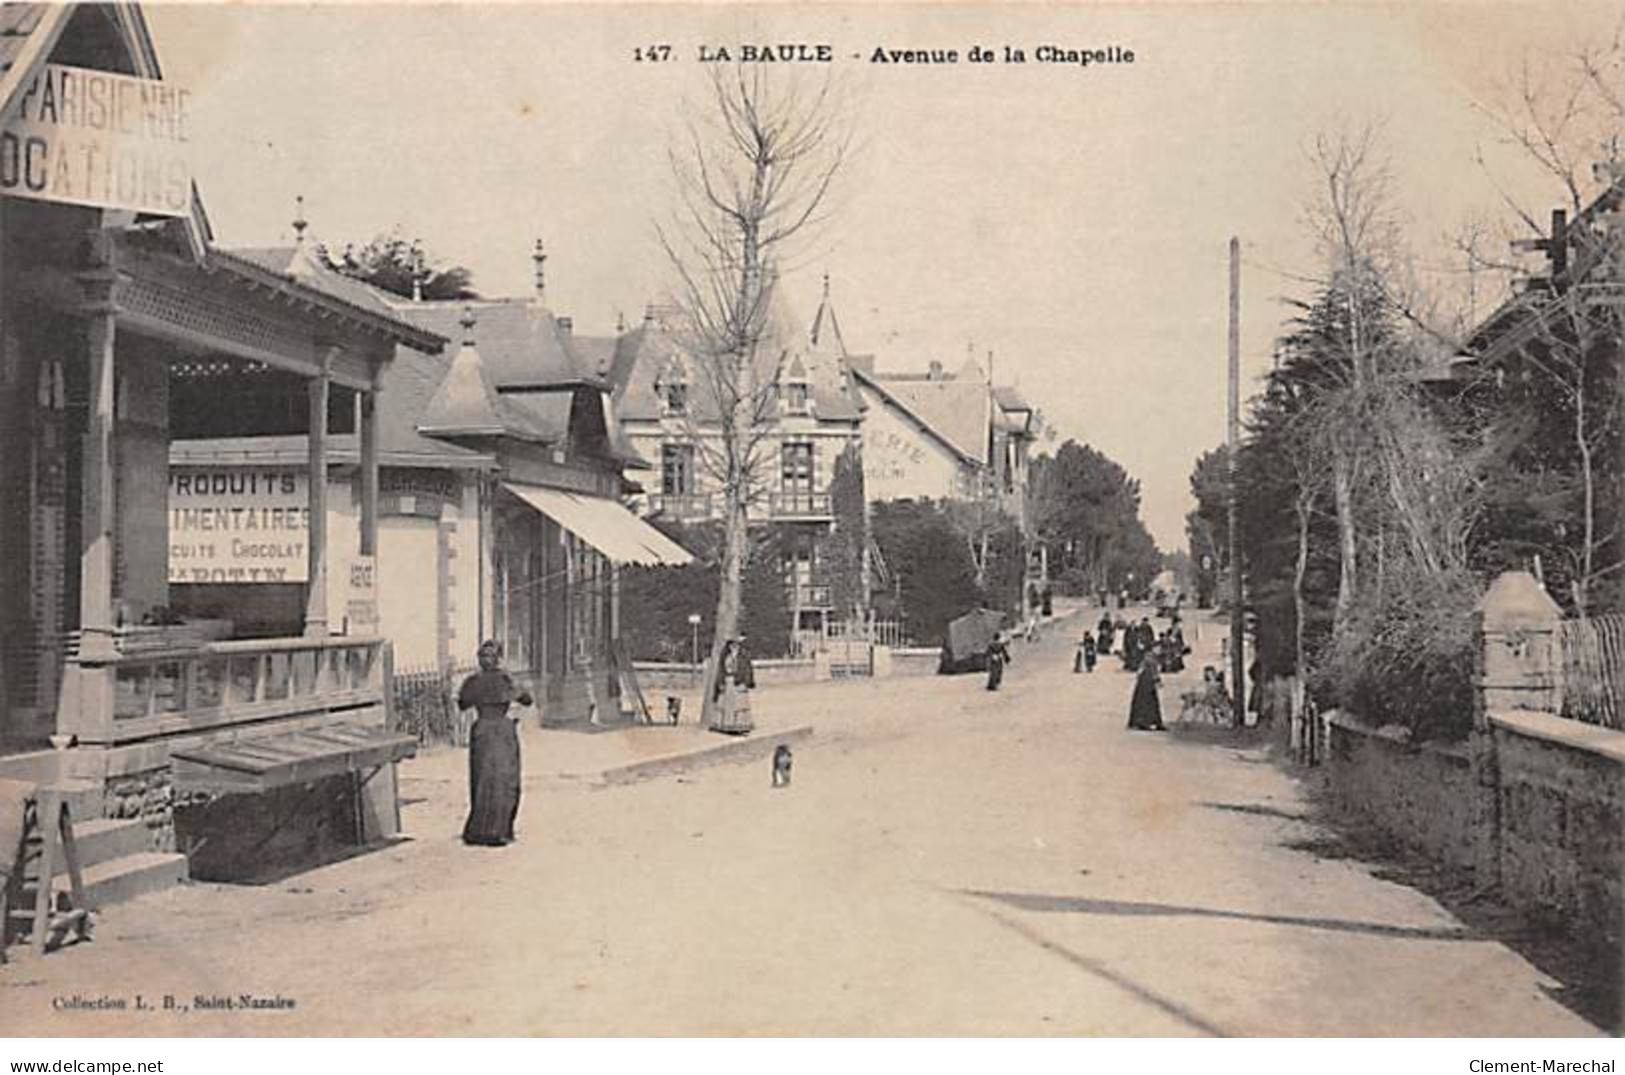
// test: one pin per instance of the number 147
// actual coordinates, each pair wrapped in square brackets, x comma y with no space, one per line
[652,53]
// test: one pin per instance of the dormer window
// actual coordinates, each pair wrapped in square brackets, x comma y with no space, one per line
[795,390]
[672,388]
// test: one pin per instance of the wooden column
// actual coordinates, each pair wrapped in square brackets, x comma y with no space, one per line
[316,490]
[97,497]
[369,472]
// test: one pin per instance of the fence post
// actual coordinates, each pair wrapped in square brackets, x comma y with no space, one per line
[1514,631]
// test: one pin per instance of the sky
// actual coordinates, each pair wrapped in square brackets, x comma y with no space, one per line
[1071,220]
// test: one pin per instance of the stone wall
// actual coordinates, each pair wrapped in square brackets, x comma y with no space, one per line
[1532,802]
[657,676]
[1561,795]
[1420,795]
[148,795]
[915,661]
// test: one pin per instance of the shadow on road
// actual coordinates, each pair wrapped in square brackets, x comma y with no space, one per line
[1105,973]
[1043,904]
[1257,809]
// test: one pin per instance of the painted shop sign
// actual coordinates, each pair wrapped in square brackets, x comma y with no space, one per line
[97,138]
[238,524]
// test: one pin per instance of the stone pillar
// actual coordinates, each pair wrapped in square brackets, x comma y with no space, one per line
[96,623]
[316,498]
[1515,627]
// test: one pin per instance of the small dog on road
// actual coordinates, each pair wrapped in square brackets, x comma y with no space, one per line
[781,765]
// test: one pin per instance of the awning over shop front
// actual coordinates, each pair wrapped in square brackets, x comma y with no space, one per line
[605,525]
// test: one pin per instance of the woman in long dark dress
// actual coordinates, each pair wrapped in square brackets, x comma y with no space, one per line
[1105,627]
[998,655]
[493,750]
[1145,710]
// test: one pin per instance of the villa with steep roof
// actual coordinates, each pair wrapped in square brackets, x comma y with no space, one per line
[669,415]
[944,436]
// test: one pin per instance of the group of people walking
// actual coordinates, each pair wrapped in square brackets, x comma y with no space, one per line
[1144,652]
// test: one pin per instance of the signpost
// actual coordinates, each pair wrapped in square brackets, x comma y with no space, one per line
[96,138]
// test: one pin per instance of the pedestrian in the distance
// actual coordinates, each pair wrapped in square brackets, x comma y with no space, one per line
[1088,652]
[1145,708]
[998,655]
[1106,629]
[493,750]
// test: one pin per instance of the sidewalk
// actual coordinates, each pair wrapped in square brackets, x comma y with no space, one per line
[624,753]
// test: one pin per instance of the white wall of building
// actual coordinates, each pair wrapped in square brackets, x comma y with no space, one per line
[900,460]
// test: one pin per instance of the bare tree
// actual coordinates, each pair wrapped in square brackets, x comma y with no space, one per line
[753,171]
[1567,115]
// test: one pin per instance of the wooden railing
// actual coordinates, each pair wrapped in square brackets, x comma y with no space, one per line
[219,685]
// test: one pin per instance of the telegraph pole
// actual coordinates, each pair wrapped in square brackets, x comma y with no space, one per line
[1238,700]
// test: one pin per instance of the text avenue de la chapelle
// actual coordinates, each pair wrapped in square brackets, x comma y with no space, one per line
[805,52]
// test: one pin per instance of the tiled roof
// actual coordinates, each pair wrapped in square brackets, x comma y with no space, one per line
[1009,399]
[519,341]
[464,404]
[952,410]
[595,353]
[642,355]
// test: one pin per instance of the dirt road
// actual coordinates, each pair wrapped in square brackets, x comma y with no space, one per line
[948,861]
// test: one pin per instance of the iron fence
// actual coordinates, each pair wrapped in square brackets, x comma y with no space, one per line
[1591,655]
[425,704]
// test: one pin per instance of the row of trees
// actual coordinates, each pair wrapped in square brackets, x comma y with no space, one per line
[1086,509]
[1375,497]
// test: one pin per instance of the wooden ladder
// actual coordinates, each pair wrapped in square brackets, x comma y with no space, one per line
[30,897]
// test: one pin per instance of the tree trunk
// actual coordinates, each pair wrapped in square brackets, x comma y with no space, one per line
[1300,607]
[1347,535]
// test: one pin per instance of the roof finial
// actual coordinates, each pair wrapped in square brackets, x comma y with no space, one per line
[467,322]
[418,271]
[620,322]
[826,285]
[538,257]
[299,221]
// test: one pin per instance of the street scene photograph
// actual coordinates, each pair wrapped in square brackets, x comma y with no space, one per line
[903,521]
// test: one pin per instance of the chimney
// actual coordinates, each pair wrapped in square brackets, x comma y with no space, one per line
[538,257]
[566,325]
[935,370]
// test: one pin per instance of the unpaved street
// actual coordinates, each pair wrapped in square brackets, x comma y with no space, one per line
[948,861]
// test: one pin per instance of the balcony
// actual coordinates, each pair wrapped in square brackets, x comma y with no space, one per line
[787,505]
[682,505]
[810,596]
[214,687]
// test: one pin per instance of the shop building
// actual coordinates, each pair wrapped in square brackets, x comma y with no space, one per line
[115,306]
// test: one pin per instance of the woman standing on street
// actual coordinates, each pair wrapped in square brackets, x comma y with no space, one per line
[731,694]
[493,750]
[998,655]
[1145,710]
